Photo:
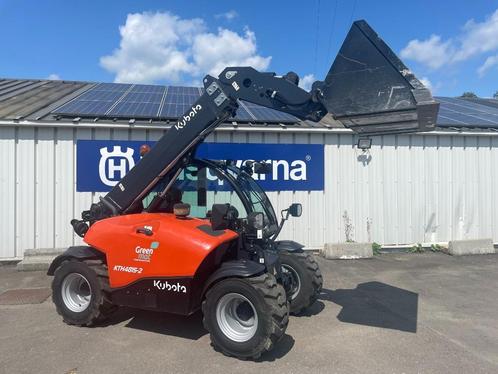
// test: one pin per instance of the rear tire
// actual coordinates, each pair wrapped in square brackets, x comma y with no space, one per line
[245,317]
[306,276]
[80,292]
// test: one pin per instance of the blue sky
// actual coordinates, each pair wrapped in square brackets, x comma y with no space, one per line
[451,44]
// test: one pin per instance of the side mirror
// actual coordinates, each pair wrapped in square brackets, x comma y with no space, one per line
[295,210]
[219,217]
[258,167]
[248,167]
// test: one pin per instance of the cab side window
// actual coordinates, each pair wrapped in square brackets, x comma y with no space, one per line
[201,187]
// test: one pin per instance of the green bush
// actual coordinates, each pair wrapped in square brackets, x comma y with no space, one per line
[376,247]
[436,248]
[417,248]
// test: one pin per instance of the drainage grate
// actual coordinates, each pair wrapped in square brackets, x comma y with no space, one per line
[25,296]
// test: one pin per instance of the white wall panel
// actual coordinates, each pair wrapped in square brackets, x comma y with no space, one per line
[406,189]
[444,194]
[492,176]
[471,192]
[44,188]
[331,225]
[64,186]
[25,190]
[484,192]
[8,138]
[315,207]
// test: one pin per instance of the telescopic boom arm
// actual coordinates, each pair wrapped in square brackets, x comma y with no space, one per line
[218,103]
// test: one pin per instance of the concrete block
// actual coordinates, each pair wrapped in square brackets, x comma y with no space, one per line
[43,252]
[35,263]
[471,247]
[347,251]
[38,259]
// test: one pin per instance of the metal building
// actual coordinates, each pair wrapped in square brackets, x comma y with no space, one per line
[406,189]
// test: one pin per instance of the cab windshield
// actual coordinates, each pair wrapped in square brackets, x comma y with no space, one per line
[254,195]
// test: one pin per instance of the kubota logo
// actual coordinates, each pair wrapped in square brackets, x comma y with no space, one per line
[166,286]
[182,122]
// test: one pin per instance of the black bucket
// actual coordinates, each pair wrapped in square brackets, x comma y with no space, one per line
[369,90]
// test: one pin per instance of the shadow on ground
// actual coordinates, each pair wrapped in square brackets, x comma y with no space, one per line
[186,327]
[376,304]
[371,304]
[283,347]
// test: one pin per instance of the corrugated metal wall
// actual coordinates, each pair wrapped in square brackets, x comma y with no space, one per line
[408,189]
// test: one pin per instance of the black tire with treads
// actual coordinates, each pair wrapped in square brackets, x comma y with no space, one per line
[269,300]
[311,281]
[100,308]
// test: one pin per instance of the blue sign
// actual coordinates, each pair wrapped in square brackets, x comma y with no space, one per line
[295,167]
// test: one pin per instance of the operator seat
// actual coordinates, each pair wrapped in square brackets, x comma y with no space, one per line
[172,197]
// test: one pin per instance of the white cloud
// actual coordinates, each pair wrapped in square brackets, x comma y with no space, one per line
[213,52]
[431,52]
[476,38]
[488,64]
[426,82]
[54,77]
[153,46]
[163,47]
[230,15]
[306,82]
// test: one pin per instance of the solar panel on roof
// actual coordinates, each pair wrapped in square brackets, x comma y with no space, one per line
[243,113]
[97,101]
[178,100]
[268,114]
[493,103]
[142,100]
[160,102]
[153,102]
[469,113]
[463,113]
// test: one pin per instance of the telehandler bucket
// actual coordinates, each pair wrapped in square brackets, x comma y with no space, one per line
[369,90]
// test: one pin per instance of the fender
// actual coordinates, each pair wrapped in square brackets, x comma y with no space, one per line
[236,269]
[81,252]
[289,246]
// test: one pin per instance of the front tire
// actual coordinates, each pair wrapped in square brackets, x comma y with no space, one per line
[80,292]
[245,317]
[306,278]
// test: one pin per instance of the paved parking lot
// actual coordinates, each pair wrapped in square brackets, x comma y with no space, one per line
[403,313]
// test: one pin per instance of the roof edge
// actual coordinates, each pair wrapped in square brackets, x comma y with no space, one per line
[92,125]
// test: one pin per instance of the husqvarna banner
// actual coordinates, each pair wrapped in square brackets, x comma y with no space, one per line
[294,167]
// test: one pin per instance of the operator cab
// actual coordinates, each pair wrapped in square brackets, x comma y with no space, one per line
[206,184]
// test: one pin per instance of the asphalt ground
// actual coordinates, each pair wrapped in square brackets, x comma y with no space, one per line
[396,313]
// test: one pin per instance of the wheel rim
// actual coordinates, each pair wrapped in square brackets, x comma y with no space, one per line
[296,281]
[76,292]
[236,317]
